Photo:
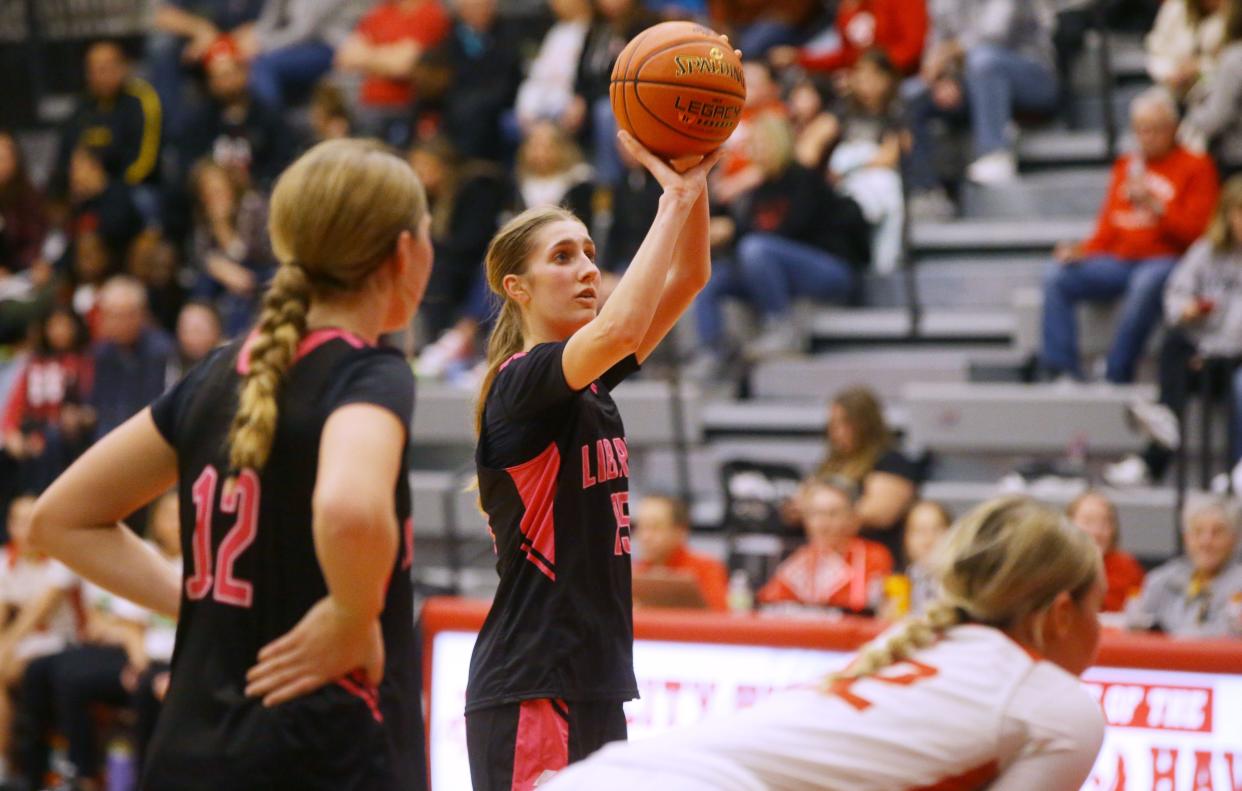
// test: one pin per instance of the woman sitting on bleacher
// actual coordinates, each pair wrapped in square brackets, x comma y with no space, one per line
[835,568]
[861,450]
[1097,515]
[1200,593]
[1203,318]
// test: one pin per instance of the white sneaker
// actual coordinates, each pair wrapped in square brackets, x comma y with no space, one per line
[1157,422]
[997,167]
[436,358]
[1128,473]
[931,205]
[778,338]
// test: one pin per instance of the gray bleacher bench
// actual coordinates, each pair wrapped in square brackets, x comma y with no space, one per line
[1019,418]
[1020,234]
[886,325]
[885,370]
[1146,515]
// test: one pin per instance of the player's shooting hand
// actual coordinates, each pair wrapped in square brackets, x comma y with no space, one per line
[685,186]
[326,644]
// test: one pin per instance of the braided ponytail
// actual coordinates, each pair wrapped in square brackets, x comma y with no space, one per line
[1007,559]
[282,324]
[336,215]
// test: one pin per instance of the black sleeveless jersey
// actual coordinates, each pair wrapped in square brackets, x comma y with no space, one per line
[553,472]
[251,574]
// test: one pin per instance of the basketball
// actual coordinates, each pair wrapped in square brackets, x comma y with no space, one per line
[678,88]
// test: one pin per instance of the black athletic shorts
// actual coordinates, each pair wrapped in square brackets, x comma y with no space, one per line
[513,745]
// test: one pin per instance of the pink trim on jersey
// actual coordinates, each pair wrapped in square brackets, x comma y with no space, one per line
[970,780]
[365,693]
[536,484]
[505,364]
[310,343]
[542,742]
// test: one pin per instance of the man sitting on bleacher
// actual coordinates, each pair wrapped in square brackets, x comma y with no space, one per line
[1159,201]
[1200,593]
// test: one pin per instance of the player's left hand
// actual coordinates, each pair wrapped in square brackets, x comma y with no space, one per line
[326,644]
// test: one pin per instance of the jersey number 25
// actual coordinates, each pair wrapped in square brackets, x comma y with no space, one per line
[241,499]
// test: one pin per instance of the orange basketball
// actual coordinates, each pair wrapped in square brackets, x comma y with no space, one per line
[678,88]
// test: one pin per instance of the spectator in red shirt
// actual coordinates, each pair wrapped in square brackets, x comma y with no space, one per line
[384,49]
[1159,202]
[1097,515]
[46,422]
[661,529]
[898,27]
[835,568]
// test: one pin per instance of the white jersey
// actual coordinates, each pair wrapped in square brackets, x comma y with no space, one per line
[974,710]
[22,581]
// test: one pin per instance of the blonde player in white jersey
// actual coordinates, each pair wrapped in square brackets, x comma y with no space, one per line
[979,692]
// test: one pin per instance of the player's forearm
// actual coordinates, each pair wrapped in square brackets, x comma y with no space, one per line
[692,259]
[118,561]
[357,547]
[629,310]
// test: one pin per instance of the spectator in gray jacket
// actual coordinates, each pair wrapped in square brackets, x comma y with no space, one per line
[1203,318]
[292,44]
[1214,120]
[989,58]
[1200,593]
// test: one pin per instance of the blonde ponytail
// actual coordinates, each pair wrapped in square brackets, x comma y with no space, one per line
[336,215]
[507,255]
[1005,560]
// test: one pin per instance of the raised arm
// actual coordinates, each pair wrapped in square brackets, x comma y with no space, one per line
[625,320]
[692,268]
[78,519]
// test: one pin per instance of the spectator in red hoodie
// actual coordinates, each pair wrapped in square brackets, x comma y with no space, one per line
[662,525]
[384,49]
[1159,202]
[1097,515]
[46,422]
[898,27]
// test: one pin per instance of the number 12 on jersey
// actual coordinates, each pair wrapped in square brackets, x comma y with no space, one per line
[242,500]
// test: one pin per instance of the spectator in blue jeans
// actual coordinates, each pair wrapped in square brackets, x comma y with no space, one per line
[795,238]
[182,32]
[292,44]
[1158,203]
[986,59]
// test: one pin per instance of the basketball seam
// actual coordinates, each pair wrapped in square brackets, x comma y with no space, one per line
[656,117]
[684,85]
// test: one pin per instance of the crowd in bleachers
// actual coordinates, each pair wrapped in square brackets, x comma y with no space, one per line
[146,245]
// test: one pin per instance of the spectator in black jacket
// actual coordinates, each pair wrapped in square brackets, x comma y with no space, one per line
[100,204]
[235,129]
[471,79]
[635,199]
[795,237]
[131,356]
[465,199]
[613,24]
[118,119]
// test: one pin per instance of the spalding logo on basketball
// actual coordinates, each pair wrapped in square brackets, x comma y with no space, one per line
[678,88]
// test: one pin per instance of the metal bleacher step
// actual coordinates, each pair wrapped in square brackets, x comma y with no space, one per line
[886,370]
[1062,147]
[988,418]
[888,325]
[996,235]
[1073,193]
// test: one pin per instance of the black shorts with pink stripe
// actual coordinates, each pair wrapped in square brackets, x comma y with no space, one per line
[513,745]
